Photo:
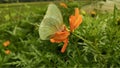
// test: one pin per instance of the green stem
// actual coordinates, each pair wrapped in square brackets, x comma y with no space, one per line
[86,41]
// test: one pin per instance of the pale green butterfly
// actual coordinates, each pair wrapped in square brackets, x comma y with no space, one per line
[51,23]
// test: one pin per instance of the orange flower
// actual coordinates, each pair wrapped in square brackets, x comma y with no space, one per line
[61,36]
[75,20]
[63,5]
[7,52]
[6,43]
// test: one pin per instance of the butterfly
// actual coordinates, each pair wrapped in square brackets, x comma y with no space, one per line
[51,23]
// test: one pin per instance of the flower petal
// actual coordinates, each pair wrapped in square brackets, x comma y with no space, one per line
[72,19]
[63,5]
[64,46]
[6,43]
[76,12]
[75,20]
[7,52]
[60,36]
[78,21]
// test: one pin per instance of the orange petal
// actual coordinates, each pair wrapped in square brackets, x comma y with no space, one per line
[63,5]
[72,19]
[76,12]
[78,21]
[6,43]
[75,21]
[64,46]
[7,52]
[53,40]
[60,36]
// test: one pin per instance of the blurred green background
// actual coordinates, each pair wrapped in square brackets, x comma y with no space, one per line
[96,43]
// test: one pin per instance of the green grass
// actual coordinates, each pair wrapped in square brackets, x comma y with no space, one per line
[96,43]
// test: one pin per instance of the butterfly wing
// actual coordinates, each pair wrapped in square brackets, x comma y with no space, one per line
[51,23]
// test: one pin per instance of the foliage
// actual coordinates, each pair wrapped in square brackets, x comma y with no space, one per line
[96,43]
